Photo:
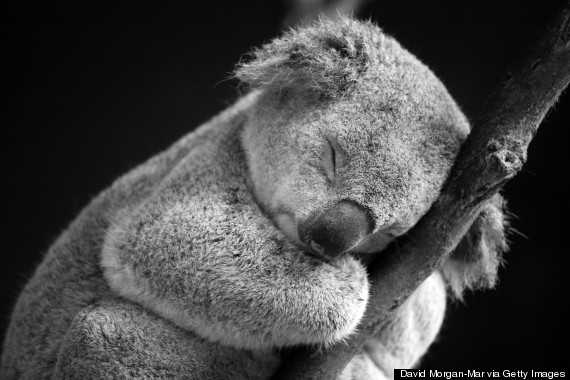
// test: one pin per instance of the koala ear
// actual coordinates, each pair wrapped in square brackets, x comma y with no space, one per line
[476,259]
[326,58]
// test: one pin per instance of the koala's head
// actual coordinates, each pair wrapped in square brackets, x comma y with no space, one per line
[352,137]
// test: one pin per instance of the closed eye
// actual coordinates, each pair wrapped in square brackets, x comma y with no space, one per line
[333,160]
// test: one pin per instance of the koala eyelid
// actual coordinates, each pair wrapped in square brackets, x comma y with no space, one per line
[334,159]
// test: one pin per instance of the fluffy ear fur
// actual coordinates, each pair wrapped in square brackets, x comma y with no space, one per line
[477,257]
[326,58]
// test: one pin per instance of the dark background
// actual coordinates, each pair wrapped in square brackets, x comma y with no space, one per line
[95,87]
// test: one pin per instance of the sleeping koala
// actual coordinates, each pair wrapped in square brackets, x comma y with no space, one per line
[252,233]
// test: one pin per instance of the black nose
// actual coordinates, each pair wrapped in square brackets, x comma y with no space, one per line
[336,230]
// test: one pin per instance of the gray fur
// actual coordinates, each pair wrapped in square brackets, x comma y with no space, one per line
[476,259]
[189,266]
[327,60]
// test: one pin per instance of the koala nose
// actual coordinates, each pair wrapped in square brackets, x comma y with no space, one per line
[336,230]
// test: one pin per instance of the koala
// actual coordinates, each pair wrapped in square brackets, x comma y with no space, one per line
[252,234]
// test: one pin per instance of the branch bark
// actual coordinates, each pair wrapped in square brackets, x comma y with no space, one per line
[493,154]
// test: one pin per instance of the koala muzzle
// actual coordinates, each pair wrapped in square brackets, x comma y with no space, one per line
[337,229]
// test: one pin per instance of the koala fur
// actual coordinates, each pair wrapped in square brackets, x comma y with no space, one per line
[208,259]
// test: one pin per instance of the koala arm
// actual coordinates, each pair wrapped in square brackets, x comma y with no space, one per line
[409,333]
[120,340]
[406,337]
[200,253]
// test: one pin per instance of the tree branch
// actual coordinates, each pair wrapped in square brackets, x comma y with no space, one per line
[494,153]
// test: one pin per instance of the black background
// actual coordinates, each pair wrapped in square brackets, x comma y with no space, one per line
[95,87]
